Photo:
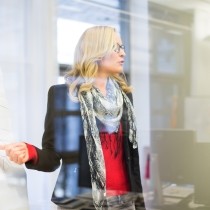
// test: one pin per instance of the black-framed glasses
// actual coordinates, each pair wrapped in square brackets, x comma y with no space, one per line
[117,47]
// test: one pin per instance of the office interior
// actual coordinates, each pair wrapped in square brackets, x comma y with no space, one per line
[167,63]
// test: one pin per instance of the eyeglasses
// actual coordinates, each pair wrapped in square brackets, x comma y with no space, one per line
[117,48]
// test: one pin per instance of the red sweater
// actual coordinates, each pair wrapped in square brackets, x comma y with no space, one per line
[32,153]
[116,174]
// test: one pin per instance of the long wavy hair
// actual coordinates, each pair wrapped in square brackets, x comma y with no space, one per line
[94,44]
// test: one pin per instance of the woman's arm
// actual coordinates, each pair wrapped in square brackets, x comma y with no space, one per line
[46,158]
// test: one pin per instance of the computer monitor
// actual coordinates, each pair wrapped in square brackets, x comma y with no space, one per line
[174,152]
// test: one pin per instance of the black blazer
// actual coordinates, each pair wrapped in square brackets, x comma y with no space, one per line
[61,114]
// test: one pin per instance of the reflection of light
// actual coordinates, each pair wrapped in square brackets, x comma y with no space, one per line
[68,34]
[59,192]
[70,8]
[175,32]
[207,38]
[201,20]
[61,80]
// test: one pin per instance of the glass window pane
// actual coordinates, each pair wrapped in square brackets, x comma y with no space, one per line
[68,34]
[75,17]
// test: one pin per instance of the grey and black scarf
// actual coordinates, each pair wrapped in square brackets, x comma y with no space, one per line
[89,111]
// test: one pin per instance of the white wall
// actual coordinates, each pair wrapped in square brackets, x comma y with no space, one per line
[197,105]
[200,85]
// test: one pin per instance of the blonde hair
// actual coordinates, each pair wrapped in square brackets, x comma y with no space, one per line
[95,43]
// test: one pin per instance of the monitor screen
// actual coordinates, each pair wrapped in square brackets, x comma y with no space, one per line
[173,149]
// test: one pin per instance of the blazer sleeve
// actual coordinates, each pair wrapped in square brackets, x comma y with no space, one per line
[135,161]
[48,159]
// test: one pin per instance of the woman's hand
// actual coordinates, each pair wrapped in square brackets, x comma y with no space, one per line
[17,152]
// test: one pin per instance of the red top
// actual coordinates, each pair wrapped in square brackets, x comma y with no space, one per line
[116,174]
[32,153]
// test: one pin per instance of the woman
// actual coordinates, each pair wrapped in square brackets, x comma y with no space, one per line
[105,102]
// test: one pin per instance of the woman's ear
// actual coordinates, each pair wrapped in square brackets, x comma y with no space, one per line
[100,59]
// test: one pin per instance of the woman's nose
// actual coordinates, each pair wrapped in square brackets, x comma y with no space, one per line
[122,52]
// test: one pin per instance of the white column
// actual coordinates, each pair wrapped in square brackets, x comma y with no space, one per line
[200,85]
[40,73]
[197,105]
[140,72]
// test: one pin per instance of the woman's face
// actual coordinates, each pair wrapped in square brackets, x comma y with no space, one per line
[113,63]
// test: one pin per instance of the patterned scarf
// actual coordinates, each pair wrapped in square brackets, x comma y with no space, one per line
[93,143]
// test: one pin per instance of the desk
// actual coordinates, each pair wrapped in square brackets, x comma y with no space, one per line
[174,197]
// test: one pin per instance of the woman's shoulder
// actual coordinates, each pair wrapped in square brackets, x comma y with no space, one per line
[59,95]
[58,90]
[58,87]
